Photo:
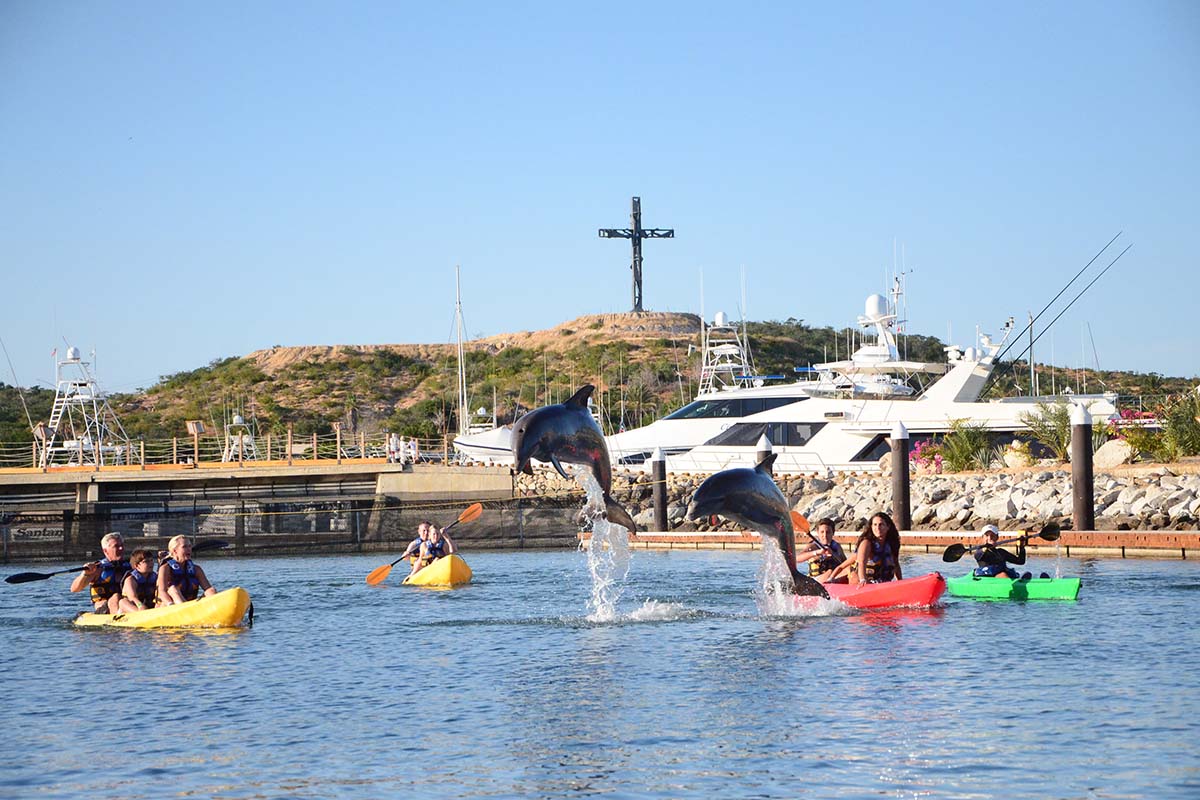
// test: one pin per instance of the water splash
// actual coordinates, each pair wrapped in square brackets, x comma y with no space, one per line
[608,555]
[773,590]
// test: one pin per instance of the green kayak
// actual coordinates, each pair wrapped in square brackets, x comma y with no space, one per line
[1008,589]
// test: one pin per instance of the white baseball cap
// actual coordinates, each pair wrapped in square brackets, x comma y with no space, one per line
[990,529]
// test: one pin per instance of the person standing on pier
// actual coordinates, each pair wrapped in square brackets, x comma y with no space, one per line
[105,576]
[180,578]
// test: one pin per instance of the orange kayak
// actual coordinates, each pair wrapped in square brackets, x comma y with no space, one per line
[910,592]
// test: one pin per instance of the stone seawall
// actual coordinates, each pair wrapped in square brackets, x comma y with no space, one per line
[1137,499]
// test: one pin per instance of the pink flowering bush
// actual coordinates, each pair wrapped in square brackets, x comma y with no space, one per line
[925,456]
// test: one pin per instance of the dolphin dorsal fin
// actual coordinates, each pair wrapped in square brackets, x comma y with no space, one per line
[766,464]
[580,398]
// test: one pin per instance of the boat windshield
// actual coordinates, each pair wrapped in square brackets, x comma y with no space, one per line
[732,407]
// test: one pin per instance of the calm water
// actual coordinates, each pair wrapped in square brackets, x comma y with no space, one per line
[506,689]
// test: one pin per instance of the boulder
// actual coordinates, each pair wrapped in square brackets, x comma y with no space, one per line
[1112,453]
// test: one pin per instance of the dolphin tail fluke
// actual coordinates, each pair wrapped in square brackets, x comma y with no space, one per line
[614,512]
[808,587]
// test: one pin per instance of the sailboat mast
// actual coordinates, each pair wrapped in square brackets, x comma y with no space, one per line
[462,366]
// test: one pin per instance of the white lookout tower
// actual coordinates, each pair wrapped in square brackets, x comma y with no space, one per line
[239,441]
[83,430]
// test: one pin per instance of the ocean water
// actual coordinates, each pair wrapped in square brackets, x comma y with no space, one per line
[518,686]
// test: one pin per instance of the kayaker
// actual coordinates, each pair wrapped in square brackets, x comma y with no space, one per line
[877,552]
[105,576]
[413,550]
[823,560]
[181,579]
[141,584]
[439,545]
[993,561]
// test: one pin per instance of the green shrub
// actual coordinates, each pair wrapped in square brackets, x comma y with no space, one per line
[1050,424]
[968,445]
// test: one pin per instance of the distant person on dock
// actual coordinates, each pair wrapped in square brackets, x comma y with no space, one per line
[105,576]
[141,584]
[823,560]
[414,450]
[180,579]
[993,561]
[438,545]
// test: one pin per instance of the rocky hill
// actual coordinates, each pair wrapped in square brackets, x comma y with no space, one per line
[644,365]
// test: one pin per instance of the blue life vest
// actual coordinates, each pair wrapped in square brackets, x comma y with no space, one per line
[434,551]
[183,576]
[144,587]
[991,571]
[108,582]
[881,566]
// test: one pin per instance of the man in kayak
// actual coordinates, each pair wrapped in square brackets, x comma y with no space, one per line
[823,560]
[180,579]
[993,561]
[414,547]
[105,576]
[438,545]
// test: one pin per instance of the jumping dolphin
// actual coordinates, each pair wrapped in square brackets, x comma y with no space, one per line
[751,498]
[567,432]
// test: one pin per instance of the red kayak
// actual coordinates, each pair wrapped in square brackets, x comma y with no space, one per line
[911,592]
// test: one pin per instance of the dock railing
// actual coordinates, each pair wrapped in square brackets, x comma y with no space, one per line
[199,452]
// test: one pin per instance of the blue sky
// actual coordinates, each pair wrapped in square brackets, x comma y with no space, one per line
[181,182]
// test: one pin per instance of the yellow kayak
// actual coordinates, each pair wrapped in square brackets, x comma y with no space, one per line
[221,610]
[450,570]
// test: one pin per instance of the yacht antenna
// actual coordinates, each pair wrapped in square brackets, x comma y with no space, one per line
[1033,389]
[462,367]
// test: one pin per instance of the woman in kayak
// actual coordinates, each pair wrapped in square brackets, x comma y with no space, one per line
[141,584]
[823,560]
[993,561]
[180,578]
[877,553]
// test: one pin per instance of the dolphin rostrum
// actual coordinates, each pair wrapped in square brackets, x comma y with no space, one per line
[751,498]
[567,432]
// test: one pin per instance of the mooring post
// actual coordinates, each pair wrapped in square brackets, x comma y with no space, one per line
[901,504]
[762,449]
[658,477]
[1083,508]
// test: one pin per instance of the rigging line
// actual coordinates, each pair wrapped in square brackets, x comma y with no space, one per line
[1081,293]
[17,385]
[1060,294]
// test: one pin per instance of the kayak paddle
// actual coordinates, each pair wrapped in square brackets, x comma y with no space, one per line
[26,577]
[379,574]
[1049,532]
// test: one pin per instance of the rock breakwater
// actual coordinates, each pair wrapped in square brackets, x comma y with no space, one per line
[1153,499]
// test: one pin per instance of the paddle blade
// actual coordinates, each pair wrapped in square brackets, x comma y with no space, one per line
[379,575]
[471,512]
[954,552]
[1050,532]
[26,577]
[807,587]
[800,523]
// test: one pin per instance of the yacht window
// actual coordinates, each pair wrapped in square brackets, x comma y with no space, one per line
[701,409]
[753,405]
[745,433]
[785,434]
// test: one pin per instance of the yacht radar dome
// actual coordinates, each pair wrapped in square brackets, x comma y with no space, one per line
[720,319]
[876,308]
[72,354]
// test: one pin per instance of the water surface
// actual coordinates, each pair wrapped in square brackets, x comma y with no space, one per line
[512,687]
